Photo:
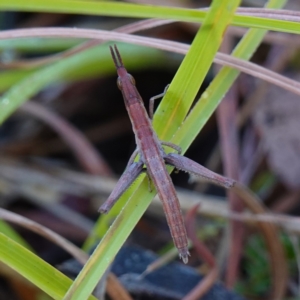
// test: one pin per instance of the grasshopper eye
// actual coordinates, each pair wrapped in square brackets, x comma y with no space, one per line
[119,83]
[132,80]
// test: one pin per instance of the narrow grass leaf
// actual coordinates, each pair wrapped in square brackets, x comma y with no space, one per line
[96,59]
[7,230]
[210,99]
[39,45]
[191,73]
[106,8]
[33,268]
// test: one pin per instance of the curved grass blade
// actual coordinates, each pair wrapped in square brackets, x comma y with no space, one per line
[107,8]
[7,230]
[33,268]
[190,75]
[210,99]
[93,58]
[38,45]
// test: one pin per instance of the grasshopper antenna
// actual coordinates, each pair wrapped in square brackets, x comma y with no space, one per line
[116,56]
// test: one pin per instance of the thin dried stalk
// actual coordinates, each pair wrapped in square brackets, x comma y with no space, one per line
[279,57]
[114,287]
[89,158]
[278,262]
[203,287]
[226,115]
[130,28]
[76,252]
[60,181]
[207,282]
[223,59]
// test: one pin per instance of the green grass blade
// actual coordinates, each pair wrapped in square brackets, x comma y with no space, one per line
[190,75]
[106,8]
[10,77]
[39,45]
[71,68]
[186,84]
[7,230]
[33,268]
[210,99]
[112,242]
[268,24]
[103,223]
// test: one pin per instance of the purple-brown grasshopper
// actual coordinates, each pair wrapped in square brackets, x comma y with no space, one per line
[153,156]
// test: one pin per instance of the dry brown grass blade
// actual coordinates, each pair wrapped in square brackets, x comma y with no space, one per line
[278,14]
[207,282]
[160,262]
[271,235]
[220,58]
[230,152]
[76,252]
[114,287]
[89,158]
[204,286]
[60,181]
[275,38]
[37,62]
[277,64]
[115,290]
[201,249]
[226,114]
[143,25]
